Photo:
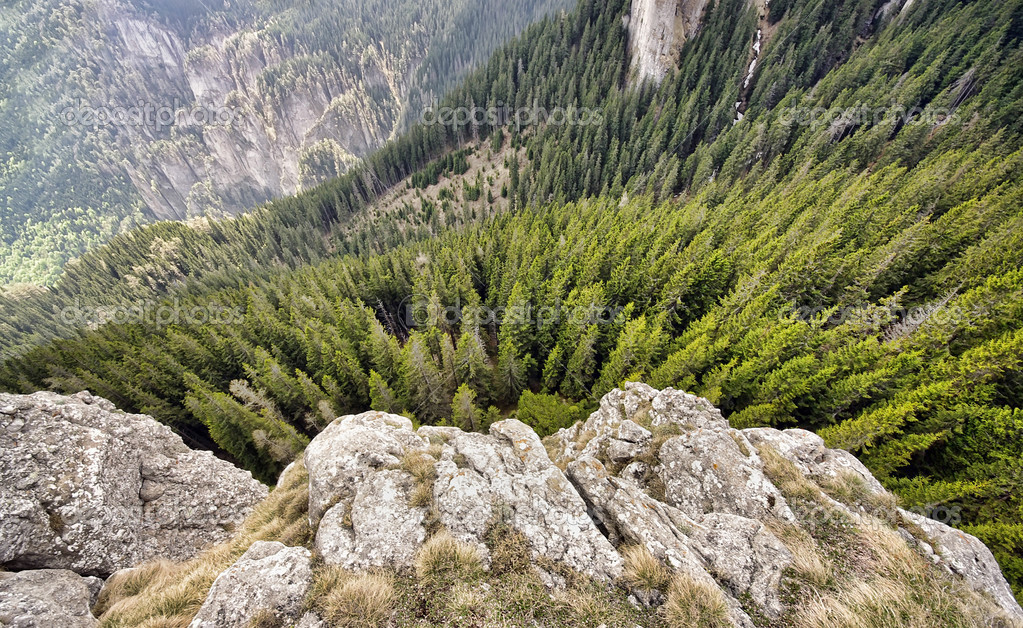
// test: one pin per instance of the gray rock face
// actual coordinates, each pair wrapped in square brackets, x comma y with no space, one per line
[356,462]
[658,28]
[745,556]
[966,556]
[269,577]
[807,451]
[695,495]
[351,449]
[630,516]
[47,598]
[706,471]
[384,530]
[705,467]
[88,488]
[656,469]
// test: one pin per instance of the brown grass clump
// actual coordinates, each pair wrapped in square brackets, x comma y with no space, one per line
[265,618]
[421,467]
[899,588]
[466,601]
[510,551]
[789,480]
[643,571]
[162,594]
[128,583]
[695,604]
[363,600]
[444,560]
[852,490]
[810,566]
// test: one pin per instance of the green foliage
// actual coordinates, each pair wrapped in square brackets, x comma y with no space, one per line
[547,414]
[464,413]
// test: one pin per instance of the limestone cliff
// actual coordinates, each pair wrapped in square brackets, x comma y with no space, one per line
[657,30]
[275,118]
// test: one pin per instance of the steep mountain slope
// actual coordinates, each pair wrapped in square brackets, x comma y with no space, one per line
[844,257]
[119,112]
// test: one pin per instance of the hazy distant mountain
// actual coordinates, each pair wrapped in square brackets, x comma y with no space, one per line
[118,112]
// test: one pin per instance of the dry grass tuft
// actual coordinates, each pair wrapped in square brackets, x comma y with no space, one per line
[852,490]
[421,467]
[789,480]
[643,571]
[163,622]
[467,601]
[157,574]
[266,618]
[583,605]
[444,560]
[899,588]
[695,604]
[510,551]
[363,600]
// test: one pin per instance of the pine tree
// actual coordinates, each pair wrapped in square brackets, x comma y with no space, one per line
[382,398]
[510,376]
[464,413]
[582,366]
[423,379]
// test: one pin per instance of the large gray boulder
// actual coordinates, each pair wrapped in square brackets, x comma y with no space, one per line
[268,579]
[384,529]
[88,488]
[362,489]
[47,598]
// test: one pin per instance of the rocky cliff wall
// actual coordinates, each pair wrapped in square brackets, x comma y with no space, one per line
[657,30]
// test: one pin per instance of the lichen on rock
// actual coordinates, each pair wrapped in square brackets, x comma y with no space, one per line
[88,488]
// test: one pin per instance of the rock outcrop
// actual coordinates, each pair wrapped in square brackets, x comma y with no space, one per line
[268,580]
[376,485]
[657,30]
[956,551]
[47,598]
[658,469]
[91,489]
[752,518]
